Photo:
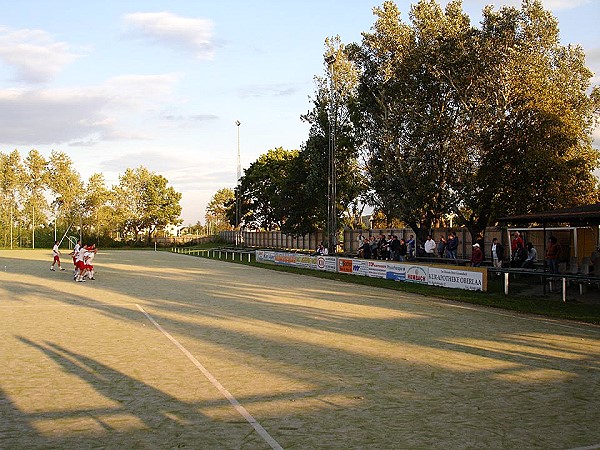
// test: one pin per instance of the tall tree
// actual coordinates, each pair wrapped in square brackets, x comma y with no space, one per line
[409,112]
[66,185]
[450,111]
[330,124]
[97,210]
[144,203]
[531,118]
[261,189]
[36,181]
[219,209]
[11,192]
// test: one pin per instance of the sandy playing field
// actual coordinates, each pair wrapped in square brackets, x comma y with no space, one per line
[172,351]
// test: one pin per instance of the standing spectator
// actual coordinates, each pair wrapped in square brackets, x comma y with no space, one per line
[411,246]
[452,246]
[395,249]
[365,249]
[481,241]
[553,254]
[517,239]
[402,250]
[531,256]
[476,256]
[497,253]
[441,247]
[518,256]
[429,246]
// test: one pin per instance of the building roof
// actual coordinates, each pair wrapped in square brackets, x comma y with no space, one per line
[580,215]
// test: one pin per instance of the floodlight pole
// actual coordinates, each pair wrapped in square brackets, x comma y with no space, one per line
[332,172]
[239,176]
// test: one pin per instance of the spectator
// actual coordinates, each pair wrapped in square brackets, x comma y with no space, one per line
[531,256]
[481,241]
[452,246]
[402,250]
[365,249]
[476,256]
[394,249]
[553,254]
[497,253]
[441,246]
[429,246]
[411,246]
[518,256]
[517,239]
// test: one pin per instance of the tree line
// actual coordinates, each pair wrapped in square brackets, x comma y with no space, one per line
[46,196]
[433,118]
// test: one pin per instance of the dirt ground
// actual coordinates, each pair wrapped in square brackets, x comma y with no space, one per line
[316,363]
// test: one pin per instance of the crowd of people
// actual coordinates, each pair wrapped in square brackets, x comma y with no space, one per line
[82,256]
[388,247]
[393,248]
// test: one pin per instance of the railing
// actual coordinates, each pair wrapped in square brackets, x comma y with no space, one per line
[218,253]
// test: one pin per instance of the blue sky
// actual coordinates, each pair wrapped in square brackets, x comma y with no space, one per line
[119,84]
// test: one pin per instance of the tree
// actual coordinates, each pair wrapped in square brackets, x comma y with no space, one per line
[98,215]
[144,203]
[36,181]
[408,112]
[11,192]
[220,207]
[261,188]
[307,201]
[66,185]
[533,120]
[448,111]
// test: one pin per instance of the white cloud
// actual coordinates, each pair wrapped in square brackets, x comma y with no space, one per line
[267,90]
[556,5]
[190,34]
[83,115]
[34,54]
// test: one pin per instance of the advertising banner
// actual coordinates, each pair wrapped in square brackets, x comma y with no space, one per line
[417,274]
[376,269]
[265,256]
[288,259]
[327,263]
[345,265]
[396,272]
[456,278]
[360,267]
[470,279]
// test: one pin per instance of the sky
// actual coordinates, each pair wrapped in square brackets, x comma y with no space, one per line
[121,84]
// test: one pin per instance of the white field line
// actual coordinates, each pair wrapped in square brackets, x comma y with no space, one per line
[238,407]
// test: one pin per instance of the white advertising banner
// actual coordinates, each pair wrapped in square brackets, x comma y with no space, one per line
[327,263]
[456,278]
[396,272]
[377,269]
[432,275]
[265,256]
[417,274]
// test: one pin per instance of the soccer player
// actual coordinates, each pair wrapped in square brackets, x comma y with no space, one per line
[56,257]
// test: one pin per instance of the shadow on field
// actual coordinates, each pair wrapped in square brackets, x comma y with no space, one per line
[106,427]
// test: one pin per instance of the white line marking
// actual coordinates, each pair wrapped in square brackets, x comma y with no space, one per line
[590,447]
[238,407]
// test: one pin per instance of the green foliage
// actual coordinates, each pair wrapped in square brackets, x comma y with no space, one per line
[96,211]
[144,202]
[261,189]
[219,210]
[448,112]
